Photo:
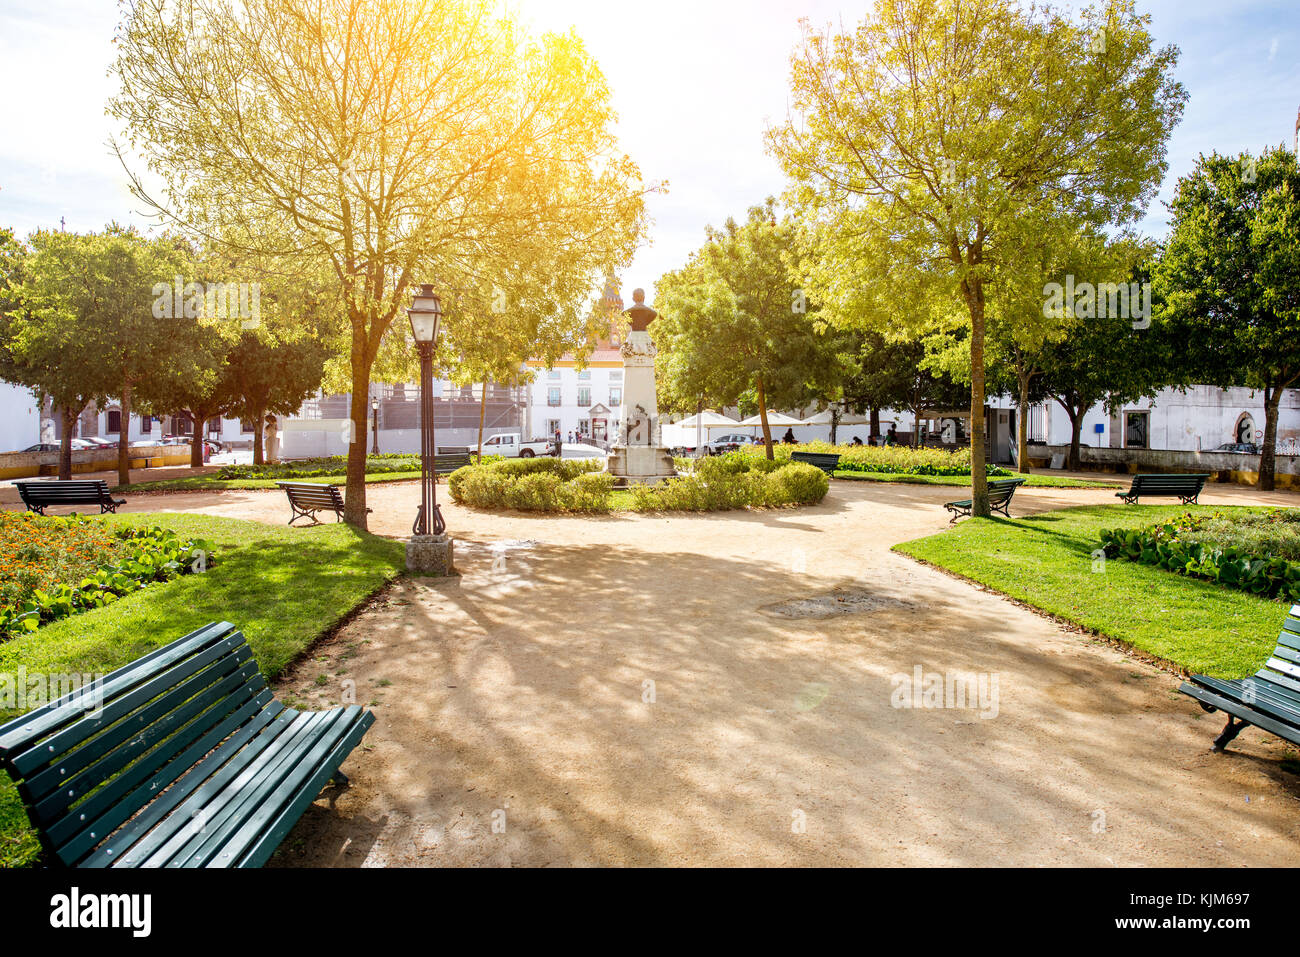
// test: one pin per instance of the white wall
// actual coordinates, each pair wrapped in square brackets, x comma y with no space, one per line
[20,425]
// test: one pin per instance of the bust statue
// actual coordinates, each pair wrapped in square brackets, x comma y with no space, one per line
[640,314]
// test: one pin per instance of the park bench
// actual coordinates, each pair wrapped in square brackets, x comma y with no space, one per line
[444,463]
[1185,487]
[1000,492]
[1270,699]
[180,759]
[308,498]
[826,461]
[38,496]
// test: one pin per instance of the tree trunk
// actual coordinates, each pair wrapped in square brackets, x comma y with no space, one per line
[124,437]
[762,414]
[196,443]
[259,430]
[482,414]
[65,446]
[978,474]
[875,423]
[835,423]
[272,440]
[354,510]
[1076,428]
[1268,454]
[1022,424]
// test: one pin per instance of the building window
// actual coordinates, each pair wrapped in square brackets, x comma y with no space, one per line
[553,396]
[616,375]
[552,426]
[181,425]
[247,426]
[584,397]
[615,398]
[114,421]
[584,427]
[146,424]
[214,425]
[584,375]
[552,374]
[1136,435]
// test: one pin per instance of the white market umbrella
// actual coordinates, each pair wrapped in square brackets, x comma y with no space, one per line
[774,419]
[846,418]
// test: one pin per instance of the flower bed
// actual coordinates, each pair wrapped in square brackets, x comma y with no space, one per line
[51,567]
[1252,551]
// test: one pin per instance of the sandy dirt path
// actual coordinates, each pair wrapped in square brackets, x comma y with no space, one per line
[517,726]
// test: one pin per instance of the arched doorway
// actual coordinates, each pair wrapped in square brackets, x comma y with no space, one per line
[1245,430]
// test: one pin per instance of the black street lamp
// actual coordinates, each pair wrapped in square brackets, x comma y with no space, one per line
[374,428]
[425,314]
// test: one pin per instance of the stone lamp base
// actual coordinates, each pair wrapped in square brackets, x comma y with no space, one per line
[430,555]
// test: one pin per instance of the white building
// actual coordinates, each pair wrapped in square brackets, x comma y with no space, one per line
[584,402]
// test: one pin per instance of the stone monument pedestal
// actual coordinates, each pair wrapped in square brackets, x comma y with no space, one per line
[637,456]
[430,555]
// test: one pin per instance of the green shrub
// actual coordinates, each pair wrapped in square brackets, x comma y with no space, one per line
[540,484]
[733,481]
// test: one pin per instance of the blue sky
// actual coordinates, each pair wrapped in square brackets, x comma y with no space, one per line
[695,84]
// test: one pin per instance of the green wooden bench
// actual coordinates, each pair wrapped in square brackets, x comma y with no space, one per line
[38,496]
[308,498]
[1185,487]
[826,461]
[1270,699]
[181,759]
[444,463]
[1000,492]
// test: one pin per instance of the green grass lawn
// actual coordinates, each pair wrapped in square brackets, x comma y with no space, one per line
[284,587]
[210,483]
[1035,480]
[1046,561]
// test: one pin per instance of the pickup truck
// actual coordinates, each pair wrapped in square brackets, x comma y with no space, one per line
[512,446]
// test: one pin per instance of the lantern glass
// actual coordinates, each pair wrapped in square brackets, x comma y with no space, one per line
[425,314]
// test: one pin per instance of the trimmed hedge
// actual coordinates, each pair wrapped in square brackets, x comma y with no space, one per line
[328,466]
[539,484]
[546,484]
[884,459]
[1174,546]
[735,480]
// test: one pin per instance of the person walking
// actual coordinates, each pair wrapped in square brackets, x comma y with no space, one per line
[788,438]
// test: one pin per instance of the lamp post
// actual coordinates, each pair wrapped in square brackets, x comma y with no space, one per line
[374,428]
[425,315]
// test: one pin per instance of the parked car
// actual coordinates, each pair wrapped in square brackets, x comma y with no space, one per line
[77,446]
[728,443]
[512,446]
[1242,448]
[101,442]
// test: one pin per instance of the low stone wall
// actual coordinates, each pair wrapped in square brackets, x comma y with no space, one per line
[16,465]
[1224,466]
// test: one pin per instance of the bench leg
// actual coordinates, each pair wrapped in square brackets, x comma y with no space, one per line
[1234,727]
